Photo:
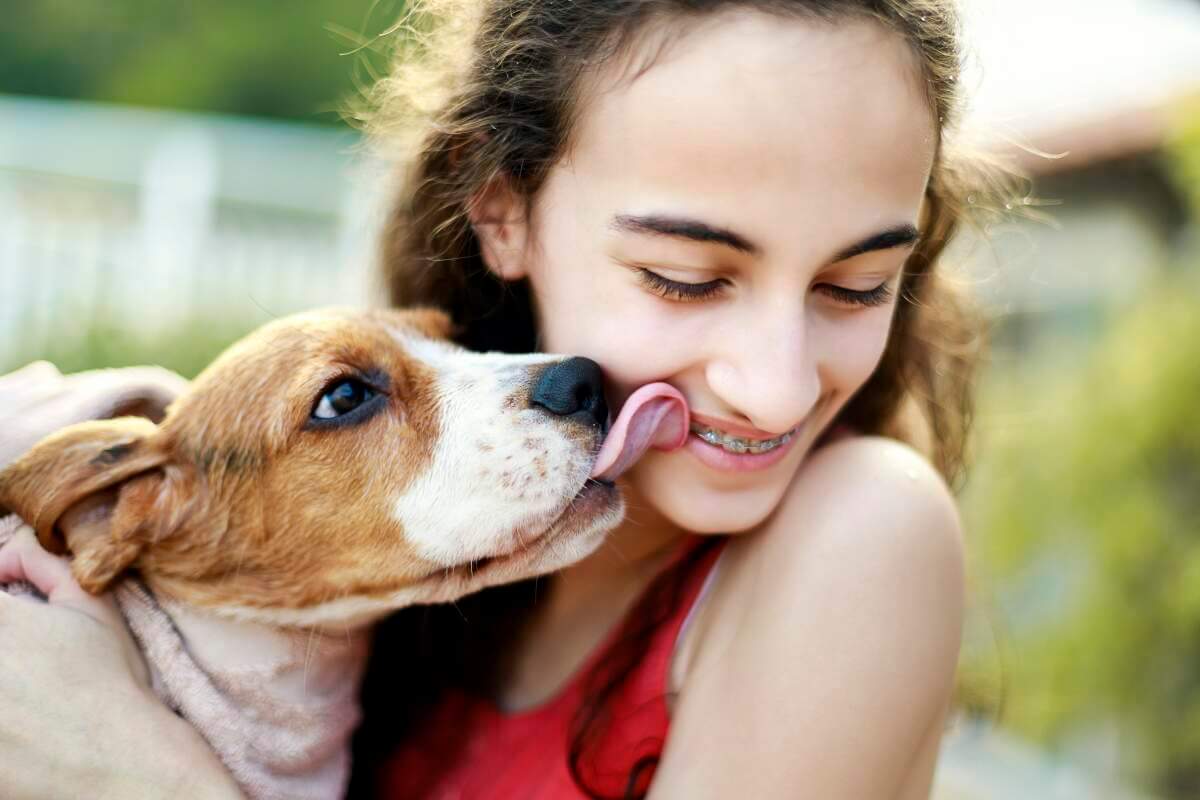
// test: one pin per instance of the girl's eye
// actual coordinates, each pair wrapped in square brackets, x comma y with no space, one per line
[878,296]
[675,290]
[341,398]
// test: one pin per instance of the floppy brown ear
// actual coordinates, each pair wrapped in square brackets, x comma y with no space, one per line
[90,489]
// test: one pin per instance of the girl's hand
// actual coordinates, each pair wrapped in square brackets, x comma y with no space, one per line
[37,400]
[77,718]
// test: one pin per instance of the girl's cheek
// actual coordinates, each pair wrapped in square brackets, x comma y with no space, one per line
[638,348]
[632,335]
[852,349]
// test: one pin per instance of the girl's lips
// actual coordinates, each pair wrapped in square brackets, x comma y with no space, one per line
[717,458]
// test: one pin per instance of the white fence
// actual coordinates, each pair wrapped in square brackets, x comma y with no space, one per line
[146,219]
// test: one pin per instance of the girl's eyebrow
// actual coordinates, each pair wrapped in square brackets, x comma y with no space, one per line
[683,228]
[903,235]
[897,236]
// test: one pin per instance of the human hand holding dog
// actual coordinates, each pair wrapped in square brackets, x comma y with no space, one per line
[38,400]
[77,718]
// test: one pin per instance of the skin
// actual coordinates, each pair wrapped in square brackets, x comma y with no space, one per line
[821,661]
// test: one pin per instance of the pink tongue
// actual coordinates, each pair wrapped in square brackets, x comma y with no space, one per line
[656,415]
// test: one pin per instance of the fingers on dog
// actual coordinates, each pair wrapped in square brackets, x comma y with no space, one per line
[23,559]
[70,485]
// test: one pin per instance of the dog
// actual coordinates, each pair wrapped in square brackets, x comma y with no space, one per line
[326,470]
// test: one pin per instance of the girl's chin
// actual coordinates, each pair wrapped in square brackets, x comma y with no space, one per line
[689,499]
[692,515]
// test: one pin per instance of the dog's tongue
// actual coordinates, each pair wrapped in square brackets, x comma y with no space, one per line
[656,415]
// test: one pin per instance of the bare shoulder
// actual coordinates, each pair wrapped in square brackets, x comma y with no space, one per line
[867,518]
[871,494]
[839,621]
[866,507]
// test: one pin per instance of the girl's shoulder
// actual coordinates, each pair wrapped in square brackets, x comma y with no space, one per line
[861,507]
[838,621]
[869,491]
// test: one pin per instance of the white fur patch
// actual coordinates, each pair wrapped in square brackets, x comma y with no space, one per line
[560,549]
[501,472]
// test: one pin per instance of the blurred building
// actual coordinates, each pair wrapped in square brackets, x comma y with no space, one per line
[980,762]
[1081,96]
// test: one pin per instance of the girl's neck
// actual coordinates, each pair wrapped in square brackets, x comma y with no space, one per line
[585,602]
[631,554]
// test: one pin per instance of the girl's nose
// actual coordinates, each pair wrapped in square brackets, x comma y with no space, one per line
[769,375]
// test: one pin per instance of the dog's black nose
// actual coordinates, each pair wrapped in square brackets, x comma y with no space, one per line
[574,389]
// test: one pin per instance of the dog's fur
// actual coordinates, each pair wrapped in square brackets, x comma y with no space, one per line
[258,527]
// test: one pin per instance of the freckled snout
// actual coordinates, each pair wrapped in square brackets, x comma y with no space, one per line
[573,389]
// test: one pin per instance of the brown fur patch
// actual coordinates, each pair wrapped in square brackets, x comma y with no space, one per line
[301,515]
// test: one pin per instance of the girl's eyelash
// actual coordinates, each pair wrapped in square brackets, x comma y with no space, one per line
[674,290]
[871,297]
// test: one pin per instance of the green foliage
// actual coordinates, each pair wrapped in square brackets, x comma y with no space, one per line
[1085,521]
[186,348]
[1184,155]
[262,57]
[1096,483]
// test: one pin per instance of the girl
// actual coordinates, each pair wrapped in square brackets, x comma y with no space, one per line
[743,198]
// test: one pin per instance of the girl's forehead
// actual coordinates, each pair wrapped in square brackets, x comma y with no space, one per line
[735,54]
[813,116]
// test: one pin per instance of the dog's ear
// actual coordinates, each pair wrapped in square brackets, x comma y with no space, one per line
[428,321]
[94,489]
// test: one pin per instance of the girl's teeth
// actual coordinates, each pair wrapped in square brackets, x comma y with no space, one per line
[736,445]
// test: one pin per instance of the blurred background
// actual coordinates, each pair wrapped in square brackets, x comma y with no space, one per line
[174,174]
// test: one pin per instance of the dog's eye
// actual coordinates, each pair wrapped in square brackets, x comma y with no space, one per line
[342,398]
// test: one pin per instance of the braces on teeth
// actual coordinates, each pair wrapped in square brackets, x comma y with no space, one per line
[739,446]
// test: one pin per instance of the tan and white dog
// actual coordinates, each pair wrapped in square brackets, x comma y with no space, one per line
[329,468]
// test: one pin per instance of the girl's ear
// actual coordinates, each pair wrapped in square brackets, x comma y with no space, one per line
[499,216]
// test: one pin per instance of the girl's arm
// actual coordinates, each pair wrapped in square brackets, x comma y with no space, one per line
[822,664]
[38,400]
[76,716]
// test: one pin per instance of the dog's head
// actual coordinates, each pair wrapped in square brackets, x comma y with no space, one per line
[330,467]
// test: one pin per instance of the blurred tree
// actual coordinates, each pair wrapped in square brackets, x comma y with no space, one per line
[1105,495]
[186,348]
[1087,514]
[237,56]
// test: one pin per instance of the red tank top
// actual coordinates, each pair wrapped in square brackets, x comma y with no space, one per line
[469,749]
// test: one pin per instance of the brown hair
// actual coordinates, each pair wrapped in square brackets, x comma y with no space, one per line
[491,88]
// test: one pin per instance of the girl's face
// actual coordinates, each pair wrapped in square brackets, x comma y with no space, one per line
[733,221]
